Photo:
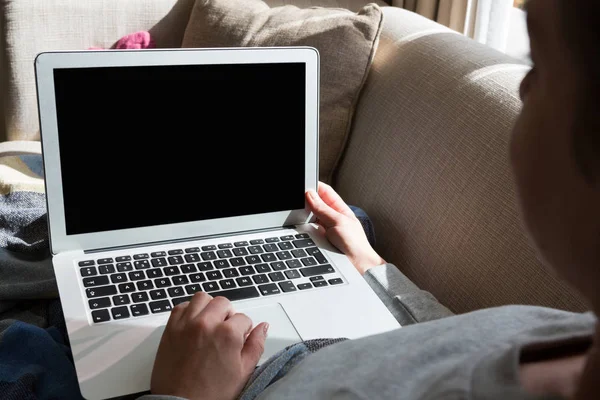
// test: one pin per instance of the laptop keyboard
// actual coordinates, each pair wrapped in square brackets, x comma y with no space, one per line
[149,283]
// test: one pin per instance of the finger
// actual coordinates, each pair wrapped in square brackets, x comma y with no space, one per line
[241,324]
[327,216]
[196,305]
[217,311]
[177,313]
[254,346]
[333,200]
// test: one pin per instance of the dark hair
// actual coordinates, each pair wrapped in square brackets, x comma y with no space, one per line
[581,25]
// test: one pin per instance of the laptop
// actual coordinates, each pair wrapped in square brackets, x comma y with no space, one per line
[170,172]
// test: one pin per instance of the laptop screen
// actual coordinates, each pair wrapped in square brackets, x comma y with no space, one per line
[154,145]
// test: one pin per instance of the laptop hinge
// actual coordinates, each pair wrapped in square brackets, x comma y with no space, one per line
[158,243]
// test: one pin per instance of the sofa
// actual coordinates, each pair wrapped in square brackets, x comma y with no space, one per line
[426,157]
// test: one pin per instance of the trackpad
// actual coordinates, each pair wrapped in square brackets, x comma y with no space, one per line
[281,330]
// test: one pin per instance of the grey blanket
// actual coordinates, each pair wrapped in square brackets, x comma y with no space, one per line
[27,283]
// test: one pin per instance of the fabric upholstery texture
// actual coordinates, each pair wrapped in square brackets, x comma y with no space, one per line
[346,41]
[428,160]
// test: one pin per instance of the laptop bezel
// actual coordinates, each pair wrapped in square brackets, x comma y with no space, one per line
[46,62]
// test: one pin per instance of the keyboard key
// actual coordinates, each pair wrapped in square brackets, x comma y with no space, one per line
[209,255]
[253,259]
[154,273]
[269,289]
[316,253]
[175,260]
[192,250]
[284,255]
[118,278]
[162,282]
[236,262]
[175,252]
[124,267]
[194,257]
[171,271]
[278,266]
[99,303]
[221,264]
[336,281]
[285,246]
[319,270]
[86,263]
[225,246]
[197,277]
[230,273]
[137,275]
[238,294]
[304,286]
[241,251]
[214,275]
[262,268]
[302,236]
[299,253]
[180,300]
[287,287]
[287,237]
[139,297]
[105,261]
[320,283]
[100,316]
[292,274]
[309,261]
[142,256]
[210,286]
[257,241]
[138,310]
[159,262]
[240,244]
[88,271]
[158,294]
[276,276]
[227,284]
[188,268]
[158,254]
[101,291]
[316,278]
[224,253]
[293,263]
[303,243]
[141,264]
[244,281]
[180,280]
[247,271]
[270,248]
[176,291]
[255,249]
[191,289]
[107,269]
[126,287]
[272,240]
[258,279]
[145,285]
[120,299]
[205,266]
[160,306]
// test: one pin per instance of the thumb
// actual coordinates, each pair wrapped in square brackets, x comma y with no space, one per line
[327,216]
[254,346]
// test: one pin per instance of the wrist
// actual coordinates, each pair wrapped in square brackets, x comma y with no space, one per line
[367,261]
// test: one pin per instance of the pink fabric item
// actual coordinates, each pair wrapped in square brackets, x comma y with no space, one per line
[137,40]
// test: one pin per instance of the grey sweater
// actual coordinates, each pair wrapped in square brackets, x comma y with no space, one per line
[470,356]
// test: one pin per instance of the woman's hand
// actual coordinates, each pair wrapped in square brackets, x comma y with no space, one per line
[207,352]
[342,228]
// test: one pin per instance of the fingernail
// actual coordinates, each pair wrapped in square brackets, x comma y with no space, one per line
[266,328]
[312,194]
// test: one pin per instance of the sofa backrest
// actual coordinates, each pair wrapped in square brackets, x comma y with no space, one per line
[428,159]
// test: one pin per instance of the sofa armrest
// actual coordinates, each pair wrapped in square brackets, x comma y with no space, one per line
[29,27]
[428,159]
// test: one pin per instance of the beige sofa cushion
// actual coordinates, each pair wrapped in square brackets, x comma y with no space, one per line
[346,42]
[29,27]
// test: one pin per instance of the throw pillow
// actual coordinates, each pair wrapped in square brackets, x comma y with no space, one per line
[345,40]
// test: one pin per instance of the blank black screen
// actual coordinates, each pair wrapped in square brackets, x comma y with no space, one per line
[146,146]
